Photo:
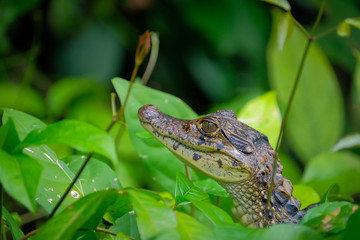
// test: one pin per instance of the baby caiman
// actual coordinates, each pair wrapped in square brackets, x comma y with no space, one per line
[237,156]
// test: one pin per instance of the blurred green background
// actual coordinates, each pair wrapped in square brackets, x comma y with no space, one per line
[58,58]
[210,52]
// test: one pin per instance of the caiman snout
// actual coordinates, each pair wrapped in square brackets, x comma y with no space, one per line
[148,113]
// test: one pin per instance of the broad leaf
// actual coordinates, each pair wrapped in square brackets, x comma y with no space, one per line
[190,228]
[327,169]
[86,213]
[160,162]
[352,230]
[210,186]
[127,225]
[286,231]
[350,141]
[263,114]
[186,191]
[16,232]
[355,22]
[8,136]
[56,175]
[215,214]
[311,129]
[343,29]
[231,232]
[306,195]
[96,176]
[285,29]
[153,217]
[329,217]
[24,123]
[74,133]
[284,4]
[54,180]
[20,176]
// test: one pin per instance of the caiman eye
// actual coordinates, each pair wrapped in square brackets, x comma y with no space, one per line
[208,128]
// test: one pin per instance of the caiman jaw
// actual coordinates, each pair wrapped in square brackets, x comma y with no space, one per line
[237,156]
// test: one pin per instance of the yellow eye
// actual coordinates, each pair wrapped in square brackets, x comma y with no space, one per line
[208,128]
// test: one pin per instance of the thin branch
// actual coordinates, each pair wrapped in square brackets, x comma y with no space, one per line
[107,231]
[291,98]
[326,32]
[142,50]
[71,185]
[30,234]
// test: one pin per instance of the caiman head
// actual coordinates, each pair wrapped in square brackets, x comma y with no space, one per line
[237,156]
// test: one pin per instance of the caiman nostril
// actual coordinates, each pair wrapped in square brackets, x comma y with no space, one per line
[148,112]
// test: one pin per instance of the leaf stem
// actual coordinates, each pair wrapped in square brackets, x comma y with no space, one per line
[326,32]
[141,52]
[291,99]
[29,234]
[318,18]
[107,231]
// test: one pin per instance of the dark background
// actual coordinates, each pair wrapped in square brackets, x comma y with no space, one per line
[211,52]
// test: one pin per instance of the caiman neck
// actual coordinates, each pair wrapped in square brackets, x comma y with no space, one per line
[250,197]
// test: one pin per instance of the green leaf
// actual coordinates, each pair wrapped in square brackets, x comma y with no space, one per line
[20,176]
[285,28]
[328,217]
[54,180]
[286,231]
[162,165]
[127,225]
[284,4]
[306,195]
[121,207]
[327,169]
[310,129]
[263,114]
[74,133]
[8,136]
[15,230]
[334,194]
[190,228]
[215,214]
[355,22]
[56,175]
[343,29]
[85,213]
[210,186]
[153,217]
[96,176]
[350,141]
[352,230]
[231,232]
[186,191]
[24,123]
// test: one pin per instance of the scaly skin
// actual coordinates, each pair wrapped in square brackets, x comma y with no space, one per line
[237,156]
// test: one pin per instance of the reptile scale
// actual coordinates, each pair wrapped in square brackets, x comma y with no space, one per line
[237,156]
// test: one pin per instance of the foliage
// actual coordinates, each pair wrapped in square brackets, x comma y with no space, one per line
[134,188]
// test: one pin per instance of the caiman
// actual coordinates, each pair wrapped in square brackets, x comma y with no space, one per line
[237,156]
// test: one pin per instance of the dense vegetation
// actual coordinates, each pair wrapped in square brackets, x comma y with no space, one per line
[271,63]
